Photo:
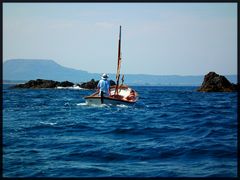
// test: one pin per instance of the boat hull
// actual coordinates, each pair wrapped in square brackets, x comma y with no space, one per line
[121,98]
[109,101]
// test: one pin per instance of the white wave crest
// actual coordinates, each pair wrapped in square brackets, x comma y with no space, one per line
[122,106]
[82,104]
[75,87]
[48,123]
[92,105]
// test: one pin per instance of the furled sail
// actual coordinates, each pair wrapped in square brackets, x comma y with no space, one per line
[119,63]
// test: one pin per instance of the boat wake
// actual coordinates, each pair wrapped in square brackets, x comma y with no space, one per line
[140,104]
[92,105]
[82,104]
[103,105]
[122,105]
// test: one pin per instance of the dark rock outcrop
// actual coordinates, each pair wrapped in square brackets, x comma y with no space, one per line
[214,82]
[93,84]
[39,83]
[42,83]
[89,85]
[66,84]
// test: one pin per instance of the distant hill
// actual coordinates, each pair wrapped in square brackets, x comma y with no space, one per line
[20,70]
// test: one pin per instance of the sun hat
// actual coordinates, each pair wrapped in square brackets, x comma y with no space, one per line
[104,76]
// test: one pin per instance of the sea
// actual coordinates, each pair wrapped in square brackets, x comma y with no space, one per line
[172,131]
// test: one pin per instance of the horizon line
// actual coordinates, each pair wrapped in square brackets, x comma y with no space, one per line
[41,59]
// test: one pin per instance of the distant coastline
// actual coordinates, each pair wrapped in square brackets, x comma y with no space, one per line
[21,71]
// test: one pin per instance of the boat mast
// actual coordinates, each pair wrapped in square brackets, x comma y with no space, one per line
[119,63]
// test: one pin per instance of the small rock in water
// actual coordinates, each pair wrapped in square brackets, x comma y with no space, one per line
[39,83]
[214,82]
[42,83]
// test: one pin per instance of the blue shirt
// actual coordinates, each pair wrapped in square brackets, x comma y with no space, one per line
[103,85]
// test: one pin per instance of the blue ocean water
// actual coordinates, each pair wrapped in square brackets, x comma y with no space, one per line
[169,132]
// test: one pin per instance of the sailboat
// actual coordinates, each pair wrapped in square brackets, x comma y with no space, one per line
[119,93]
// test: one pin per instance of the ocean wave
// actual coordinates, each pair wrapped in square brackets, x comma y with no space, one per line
[178,132]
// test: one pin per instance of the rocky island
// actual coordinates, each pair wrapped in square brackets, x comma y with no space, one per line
[93,84]
[214,82]
[42,83]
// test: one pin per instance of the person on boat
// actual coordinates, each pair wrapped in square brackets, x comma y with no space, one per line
[104,86]
[131,96]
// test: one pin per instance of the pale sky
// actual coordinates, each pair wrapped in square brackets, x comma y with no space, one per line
[157,38]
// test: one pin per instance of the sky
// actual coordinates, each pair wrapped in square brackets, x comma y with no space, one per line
[157,38]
